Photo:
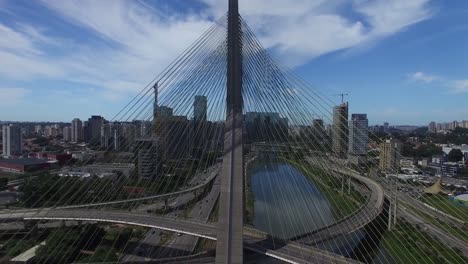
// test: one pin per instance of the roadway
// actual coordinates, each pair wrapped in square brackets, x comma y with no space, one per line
[445,237]
[435,231]
[418,204]
[200,212]
[290,252]
[201,184]
[150,246]
[350,224]
[198,181]
[117,217]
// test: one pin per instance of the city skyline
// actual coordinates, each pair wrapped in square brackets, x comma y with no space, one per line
[372,60]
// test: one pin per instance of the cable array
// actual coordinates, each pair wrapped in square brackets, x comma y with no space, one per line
[300,193]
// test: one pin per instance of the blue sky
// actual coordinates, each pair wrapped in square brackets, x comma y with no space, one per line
[401,61]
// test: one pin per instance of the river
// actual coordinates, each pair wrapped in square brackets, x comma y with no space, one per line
[287,203]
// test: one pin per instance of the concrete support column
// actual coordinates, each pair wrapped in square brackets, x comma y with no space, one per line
[342,184]
[349,185]
[389,227]
[229,244]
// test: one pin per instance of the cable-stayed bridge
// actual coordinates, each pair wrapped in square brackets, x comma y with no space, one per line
[195,163]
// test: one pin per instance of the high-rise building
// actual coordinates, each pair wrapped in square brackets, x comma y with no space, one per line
[47,131]
[142,128]
[12,140]
[165,111]
[319,137]
[439,127]
[358,138]
[340,130]
[432,127]
[329,129]
[200,108]
[56,130]
[76,130]
[51,131]
[117,136]
[265,126]
[162,124]
[38,130]
[106,135]
[172,135]
[128,134]
[199,127]
[93,129]
[390,155]
[317,128]
[386,127]
[148,158]
[465,123]
[453,125]
[67,131]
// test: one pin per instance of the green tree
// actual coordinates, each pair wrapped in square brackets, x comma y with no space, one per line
[455,155]
[3,182]
[59,247]
[464,172]
[123,237]
[102,254]
[64,245]
[41,141]
[15,247]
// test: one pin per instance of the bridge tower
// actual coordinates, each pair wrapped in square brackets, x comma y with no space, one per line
[229,245]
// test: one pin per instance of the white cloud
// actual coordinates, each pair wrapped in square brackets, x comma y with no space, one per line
[423,77]
[12,40]
[27,67]
[460,86]
[301,30]
[147,42]
[137,41]
[387,17]
[455,86]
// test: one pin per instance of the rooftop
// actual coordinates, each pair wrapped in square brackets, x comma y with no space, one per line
[25,161]
[27,255]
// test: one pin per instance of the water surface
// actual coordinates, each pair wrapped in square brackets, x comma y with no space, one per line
[287,203]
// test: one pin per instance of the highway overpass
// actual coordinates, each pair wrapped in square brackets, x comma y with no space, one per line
[298,251]
[153,197]
[355,221]
[254,240]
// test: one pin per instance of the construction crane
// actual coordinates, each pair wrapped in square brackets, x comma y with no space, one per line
[342,96]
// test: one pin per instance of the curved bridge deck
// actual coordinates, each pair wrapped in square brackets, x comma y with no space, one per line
[359,219]
[254,240]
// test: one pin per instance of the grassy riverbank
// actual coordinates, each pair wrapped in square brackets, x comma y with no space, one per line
[343,204]
[442,203]
[462,234]
[407,244]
